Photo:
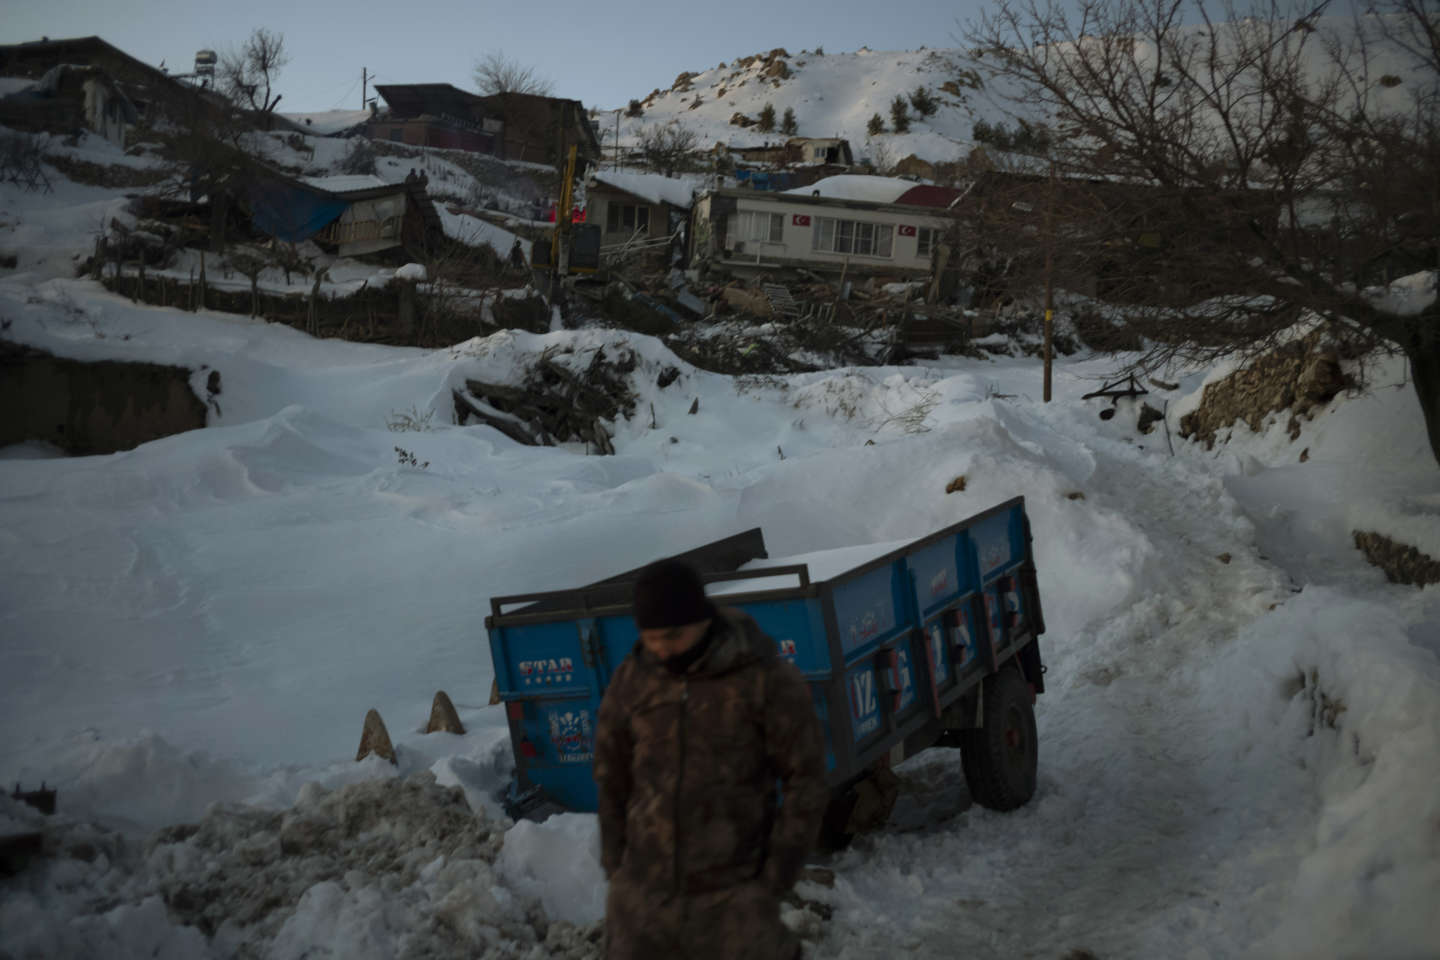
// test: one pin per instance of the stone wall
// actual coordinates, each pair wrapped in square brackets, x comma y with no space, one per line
[1298,377]
[91,408]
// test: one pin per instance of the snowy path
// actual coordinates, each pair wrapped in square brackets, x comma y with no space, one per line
[1143,839]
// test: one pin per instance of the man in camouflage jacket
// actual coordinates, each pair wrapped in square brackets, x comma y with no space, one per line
[698,727]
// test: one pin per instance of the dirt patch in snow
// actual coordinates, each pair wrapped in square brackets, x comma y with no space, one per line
[1401,562]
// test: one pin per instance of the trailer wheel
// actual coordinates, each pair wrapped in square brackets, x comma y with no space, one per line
[833,833]
[1000,758]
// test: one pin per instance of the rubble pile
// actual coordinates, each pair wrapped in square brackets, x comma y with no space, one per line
[565,397]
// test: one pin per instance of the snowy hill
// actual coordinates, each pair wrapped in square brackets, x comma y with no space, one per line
[833,95]
[836,94]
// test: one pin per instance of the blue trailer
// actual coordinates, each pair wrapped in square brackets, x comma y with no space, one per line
[932,642]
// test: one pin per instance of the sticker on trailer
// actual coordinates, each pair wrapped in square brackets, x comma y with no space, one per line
[865,608]
[539,672]
[992,542]
[965,650]
[787,648]
[864,702]
[907,679]
[571,735]
[939,654]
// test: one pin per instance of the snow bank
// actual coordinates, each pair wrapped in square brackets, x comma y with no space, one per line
[346,873]
[558,863]
[1362,721]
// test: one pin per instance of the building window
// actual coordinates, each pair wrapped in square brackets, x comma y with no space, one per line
[853,236]
[627,217]
[755,225]
[925,241]
[397,134]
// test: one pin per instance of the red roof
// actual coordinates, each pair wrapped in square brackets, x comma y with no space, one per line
[925,195]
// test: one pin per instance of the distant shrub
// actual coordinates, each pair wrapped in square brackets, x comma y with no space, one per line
[876,126]
[788,125]
[767,118]
[1031,138]
[899,118]
[923,102]
[635,109]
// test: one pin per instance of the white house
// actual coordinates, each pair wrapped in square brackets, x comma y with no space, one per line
[859,224]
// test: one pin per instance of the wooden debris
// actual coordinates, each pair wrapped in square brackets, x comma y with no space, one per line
[957,485]
[443,715]
[1223,558]
[695,407]
[375,739]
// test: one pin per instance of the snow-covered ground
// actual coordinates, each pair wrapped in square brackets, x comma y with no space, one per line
[207,618]
[193,631]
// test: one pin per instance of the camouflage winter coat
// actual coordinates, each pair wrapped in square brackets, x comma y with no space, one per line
[687,765]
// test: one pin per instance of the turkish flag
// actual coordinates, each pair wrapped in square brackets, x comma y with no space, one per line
[906,230]
[800,220]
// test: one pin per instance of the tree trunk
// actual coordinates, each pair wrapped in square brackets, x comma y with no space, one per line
[1422,348]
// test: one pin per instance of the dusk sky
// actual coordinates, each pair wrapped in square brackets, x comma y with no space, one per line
[600,53]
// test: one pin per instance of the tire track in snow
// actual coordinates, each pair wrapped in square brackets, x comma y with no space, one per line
[1130,846]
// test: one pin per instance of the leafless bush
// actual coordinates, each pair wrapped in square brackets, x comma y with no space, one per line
[360,158]
[496,73]
[248,74]
[667,147]
[20,162]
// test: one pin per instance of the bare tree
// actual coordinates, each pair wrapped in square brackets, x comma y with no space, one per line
[248,75]
[666,147]
[496,73]
[1276,161]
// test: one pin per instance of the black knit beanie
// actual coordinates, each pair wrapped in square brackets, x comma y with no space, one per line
[670,593]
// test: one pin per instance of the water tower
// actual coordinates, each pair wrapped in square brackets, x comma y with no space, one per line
[205,66]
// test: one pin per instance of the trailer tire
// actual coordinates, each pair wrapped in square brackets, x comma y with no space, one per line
[1000,759]
[834,836]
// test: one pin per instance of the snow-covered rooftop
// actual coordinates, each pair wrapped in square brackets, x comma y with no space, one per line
[328,122]
[346,183]
[857,186]
[652,186]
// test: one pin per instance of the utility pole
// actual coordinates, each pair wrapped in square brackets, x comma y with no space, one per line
[1049,277]
[364,80]
[618,164]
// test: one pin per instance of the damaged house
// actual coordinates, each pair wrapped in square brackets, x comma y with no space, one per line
[437,115]
[861,225]
[356,214]
[510,126]
[99,75]
[69,97]
[628,206]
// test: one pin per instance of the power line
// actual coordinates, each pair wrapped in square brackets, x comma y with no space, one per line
[353,85]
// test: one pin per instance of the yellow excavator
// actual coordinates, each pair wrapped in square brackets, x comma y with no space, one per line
[573,248]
